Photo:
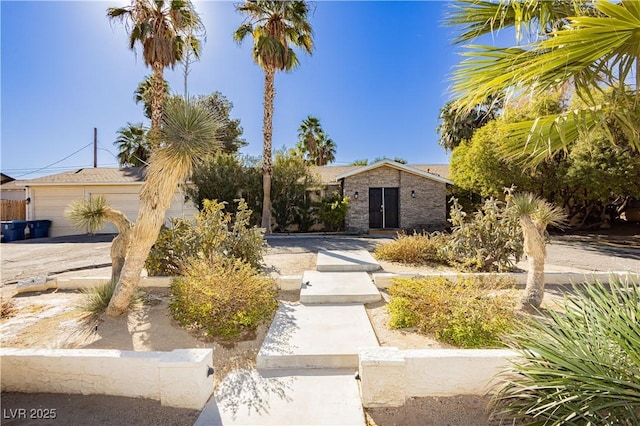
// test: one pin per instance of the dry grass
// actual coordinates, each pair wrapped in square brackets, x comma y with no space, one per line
[415,249]
[7,307]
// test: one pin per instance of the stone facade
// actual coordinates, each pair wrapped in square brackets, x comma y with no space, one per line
[426,210]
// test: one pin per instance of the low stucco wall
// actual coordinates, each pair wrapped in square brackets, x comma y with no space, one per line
[284,283]
[178,378]
[388,376]
[385,279]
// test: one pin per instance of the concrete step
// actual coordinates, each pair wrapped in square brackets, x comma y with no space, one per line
[285,397]
[338,287]
[346,261]
[316,336]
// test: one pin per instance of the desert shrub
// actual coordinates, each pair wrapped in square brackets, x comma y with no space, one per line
[470,313]
[97,298]
[7,307]
[415,249]
[579,365]
[222,296]
[490,240]
[332,211]
[213,232]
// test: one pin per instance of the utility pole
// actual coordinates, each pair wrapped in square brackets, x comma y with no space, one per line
[95,147]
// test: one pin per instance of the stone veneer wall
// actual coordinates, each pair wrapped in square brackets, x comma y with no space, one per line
[427,209]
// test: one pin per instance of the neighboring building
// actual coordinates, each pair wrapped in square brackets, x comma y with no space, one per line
[49,196]
[11,189]
[12,198]
[390,195]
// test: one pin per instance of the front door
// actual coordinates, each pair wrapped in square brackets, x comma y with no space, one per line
[383,208]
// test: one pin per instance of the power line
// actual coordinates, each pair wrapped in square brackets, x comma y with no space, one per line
[56,162]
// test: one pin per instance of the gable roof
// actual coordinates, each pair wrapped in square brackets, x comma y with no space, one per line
[329,174]
[92,176]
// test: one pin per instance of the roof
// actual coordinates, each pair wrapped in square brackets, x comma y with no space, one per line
[5,178]
[331,174]
[92,176]
[13,185]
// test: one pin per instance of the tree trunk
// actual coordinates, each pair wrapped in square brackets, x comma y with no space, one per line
[157,103]
[155,198]
[120,243]
[267,129]
[534,248]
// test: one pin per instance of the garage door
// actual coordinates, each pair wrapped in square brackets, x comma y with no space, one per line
[127,203]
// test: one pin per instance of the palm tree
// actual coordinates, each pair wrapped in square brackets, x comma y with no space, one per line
[308,135]
[190,132]
[132,145]
[275,26]
[325,152]
[589,45]
[534,214]
[143,93]
[162,28]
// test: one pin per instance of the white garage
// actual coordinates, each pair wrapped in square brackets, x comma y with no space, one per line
[49,196]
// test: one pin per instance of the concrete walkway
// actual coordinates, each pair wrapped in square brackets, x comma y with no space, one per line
[307,362]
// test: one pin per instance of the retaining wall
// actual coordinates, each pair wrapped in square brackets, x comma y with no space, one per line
[385,279]
[388,376]
[179,378]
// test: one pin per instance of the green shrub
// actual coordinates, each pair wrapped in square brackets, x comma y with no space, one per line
[97,298]
[470,313]
[332,211]
[580,365]
[213,232]
[222,296]
[416,249]
[488,241]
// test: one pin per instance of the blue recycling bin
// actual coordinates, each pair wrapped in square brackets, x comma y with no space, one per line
[38,228]
[13,230]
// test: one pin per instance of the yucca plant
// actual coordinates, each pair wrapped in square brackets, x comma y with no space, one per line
[580,365]
[91,215]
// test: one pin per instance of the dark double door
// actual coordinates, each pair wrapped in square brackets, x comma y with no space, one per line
[383,208]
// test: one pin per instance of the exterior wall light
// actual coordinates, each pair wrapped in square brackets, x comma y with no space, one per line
[355,195]
[413,194]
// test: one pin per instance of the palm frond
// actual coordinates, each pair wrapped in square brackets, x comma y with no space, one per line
[88,215]
[581,365]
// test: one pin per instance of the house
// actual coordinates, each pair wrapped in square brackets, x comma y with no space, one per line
[390,195]
[49,196]
[11,189]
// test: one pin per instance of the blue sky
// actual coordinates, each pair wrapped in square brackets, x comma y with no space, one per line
[377,80]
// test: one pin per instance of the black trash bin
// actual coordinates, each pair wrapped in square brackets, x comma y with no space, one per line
[13,230]
[38,228]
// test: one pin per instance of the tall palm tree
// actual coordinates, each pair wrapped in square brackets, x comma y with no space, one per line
[133,147]
[589,45]
[144,92]
[325,150]
[162,28]
[534,214]
[275,27]
[189,131]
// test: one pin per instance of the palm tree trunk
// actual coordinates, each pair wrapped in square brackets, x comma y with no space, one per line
[157,102]
[535,250]
[120,243]
[154,203]
[269,94]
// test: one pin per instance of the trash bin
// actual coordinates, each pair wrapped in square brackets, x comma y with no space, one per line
[38,228]
[13,230]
